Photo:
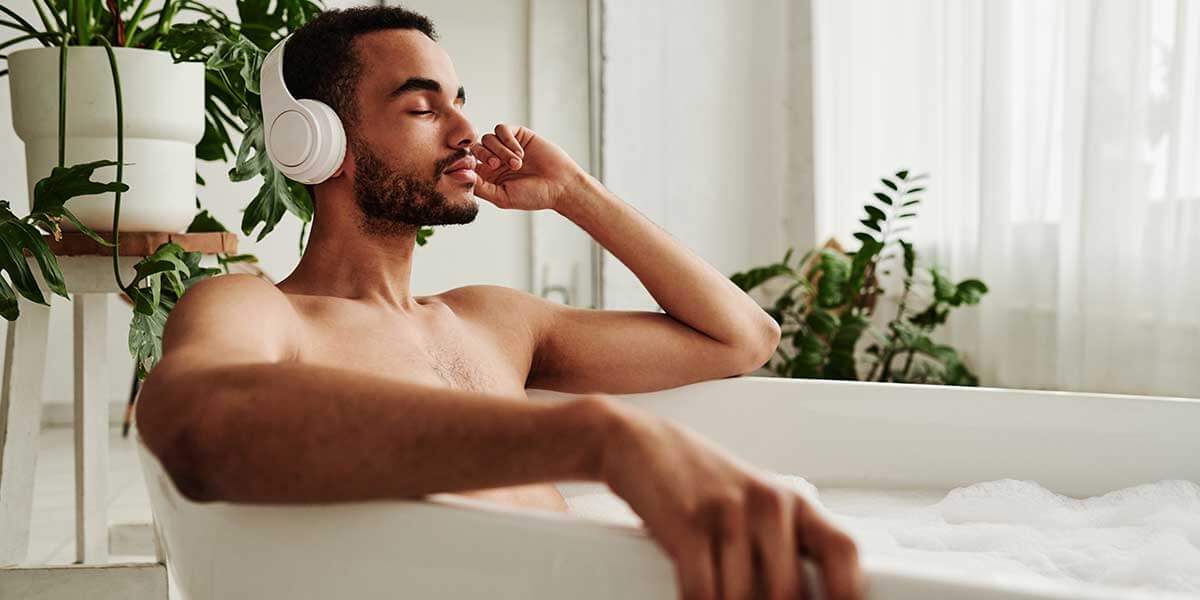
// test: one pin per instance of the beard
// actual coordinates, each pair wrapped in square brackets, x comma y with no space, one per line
[394,202]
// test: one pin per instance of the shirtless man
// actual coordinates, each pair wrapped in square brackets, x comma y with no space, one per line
[339,385]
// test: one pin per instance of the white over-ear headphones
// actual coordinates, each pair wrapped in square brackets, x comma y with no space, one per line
[305,139]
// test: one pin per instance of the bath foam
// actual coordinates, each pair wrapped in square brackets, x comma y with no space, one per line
[1138,542]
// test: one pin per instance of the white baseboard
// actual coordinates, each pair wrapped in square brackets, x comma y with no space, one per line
[62,414]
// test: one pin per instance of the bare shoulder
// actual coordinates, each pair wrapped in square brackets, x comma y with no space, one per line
[232,307]
[495,300]
[232,288]
[500,308]
[234,296]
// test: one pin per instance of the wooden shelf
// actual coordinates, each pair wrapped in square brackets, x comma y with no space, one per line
[143,243]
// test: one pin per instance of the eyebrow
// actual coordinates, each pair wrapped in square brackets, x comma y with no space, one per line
[422,84]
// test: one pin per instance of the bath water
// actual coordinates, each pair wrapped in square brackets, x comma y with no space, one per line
[1138,542]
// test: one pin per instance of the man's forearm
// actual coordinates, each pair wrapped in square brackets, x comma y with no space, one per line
[684,285]
[283,433]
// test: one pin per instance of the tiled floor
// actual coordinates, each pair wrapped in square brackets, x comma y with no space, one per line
[52,530]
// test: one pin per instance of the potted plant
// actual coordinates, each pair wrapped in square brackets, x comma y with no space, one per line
[828,302]
[164,120]
[191,86]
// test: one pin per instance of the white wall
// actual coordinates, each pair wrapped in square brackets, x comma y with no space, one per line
[490,44]
[708,128]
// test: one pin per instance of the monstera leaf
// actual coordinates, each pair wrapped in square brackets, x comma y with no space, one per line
[18,237]
[153,301]
[51,194]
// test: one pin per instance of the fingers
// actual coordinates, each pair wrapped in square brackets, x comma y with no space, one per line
[776,542]
[834,552]
[487,160]
[734,556]
[508,135]
[694,570]
[504,146]
[489,191]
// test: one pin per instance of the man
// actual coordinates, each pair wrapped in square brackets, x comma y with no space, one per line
[340,385]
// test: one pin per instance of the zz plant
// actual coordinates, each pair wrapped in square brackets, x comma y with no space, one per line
[829,302]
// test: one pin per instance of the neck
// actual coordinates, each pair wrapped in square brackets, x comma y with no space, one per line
[344,261]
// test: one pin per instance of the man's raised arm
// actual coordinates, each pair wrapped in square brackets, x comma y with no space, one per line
[711,328]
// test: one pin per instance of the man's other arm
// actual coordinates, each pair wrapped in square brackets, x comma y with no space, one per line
[234,417]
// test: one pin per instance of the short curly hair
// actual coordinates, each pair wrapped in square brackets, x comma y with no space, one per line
[320,62]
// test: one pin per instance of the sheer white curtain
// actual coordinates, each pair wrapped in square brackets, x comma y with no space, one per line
[1063,143]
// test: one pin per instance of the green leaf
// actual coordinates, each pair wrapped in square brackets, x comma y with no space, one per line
[904,332]
[237,258]
[943,289]
[51,193]
[822,322]
[954,372]
[204,222]
[423,235]
[811,353]
[858,267]
[153,302]
[775,314]
[910,257]
[875,213]
[902,175]
[970,291]
[910,203]
[865,237]
[931,317]
[835,270]
[884,198]
[785,302]
[907,215]
[841,363]
[17,238]
[757,276]
[145,338]
[915,190]
[276,196]
[9,307]
[890,185]
[870,224]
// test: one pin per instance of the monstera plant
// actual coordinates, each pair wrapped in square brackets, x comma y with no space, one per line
[230,51]
[829,302]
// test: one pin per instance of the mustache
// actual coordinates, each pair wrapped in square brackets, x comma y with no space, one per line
[440,166]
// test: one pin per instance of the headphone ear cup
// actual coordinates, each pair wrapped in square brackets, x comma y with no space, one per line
[329,149]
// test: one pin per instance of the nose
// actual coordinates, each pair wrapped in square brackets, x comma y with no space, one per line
[463,134]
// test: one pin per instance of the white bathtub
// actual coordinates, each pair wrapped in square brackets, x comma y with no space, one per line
[832,433]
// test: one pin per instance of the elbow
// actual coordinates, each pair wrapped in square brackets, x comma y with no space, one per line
[168,425]
[181,462]
[758,350]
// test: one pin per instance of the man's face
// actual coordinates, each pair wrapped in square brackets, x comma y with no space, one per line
[410,145]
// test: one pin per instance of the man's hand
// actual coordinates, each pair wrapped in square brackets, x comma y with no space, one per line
[521,170]
[731,533]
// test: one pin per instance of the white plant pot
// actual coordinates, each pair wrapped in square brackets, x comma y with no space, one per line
[164,119]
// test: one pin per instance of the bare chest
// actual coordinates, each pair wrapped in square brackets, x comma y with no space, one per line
[440,349]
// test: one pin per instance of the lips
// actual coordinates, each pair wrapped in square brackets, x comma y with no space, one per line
[462,170]
[466,163]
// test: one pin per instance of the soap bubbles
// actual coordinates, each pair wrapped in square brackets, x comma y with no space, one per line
[1142,541]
